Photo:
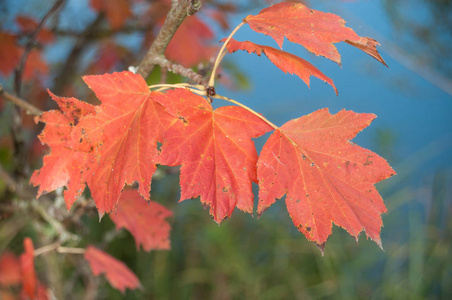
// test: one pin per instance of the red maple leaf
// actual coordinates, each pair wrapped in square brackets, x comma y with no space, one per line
[145,221]
[121,138]
[117,273]
[10,53]
[285,61]
[326,177]
[108,149]
[117,11]
[29,280]
[10,272]
[189,46]
[215,150]
[108,57]
[29,25]
[315,30]
[35,65]
[63,166]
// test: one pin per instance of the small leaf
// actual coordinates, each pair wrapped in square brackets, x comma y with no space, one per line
[63,166]
[29,25]
[315,30]
[29,281]
[189,46]
[285,61]
[10,53]
[117,273]
[145,221]
[10,272]
[35,66]
[117,11]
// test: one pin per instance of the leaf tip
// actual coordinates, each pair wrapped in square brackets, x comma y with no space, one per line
[321,247]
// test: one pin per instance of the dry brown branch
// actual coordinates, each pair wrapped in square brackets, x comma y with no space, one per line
[179,10]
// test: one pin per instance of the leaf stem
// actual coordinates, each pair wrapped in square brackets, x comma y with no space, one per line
[216,96]
[221,54]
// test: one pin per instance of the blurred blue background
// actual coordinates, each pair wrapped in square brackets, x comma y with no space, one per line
[268,258]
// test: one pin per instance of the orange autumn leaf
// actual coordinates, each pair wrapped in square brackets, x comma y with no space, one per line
[109,148]
[117,273]
[29,25]
[326,178]
[35,65]
[117,11]
[10,272]
[189,46]
[315,30]
[146,221]
[29,281]
[10,53]
[121,138]
[63,166]
[215,151]
[285,61]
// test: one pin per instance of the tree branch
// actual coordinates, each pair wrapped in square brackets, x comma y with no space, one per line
[29,108]
[179,10]
[179,69]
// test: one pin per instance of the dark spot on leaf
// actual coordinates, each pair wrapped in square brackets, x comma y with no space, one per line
[368,162]
[308,229]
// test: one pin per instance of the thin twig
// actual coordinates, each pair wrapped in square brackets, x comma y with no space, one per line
[63,234]
[70,250]
[29,108]
[20,168]
[179,10]
[56,246]
[47,248]
[29,46]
